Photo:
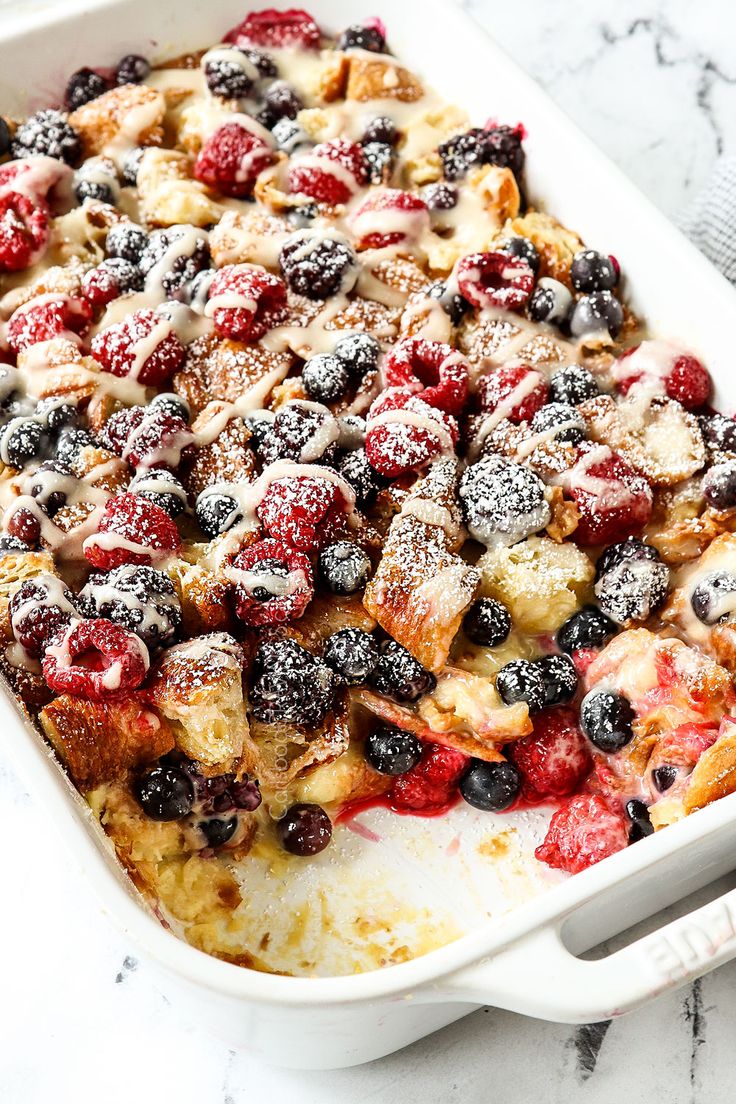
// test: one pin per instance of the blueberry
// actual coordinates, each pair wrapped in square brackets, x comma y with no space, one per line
[290,685]
[630,549]
[130,164]
[641,825]
[4,137]
[502,502]
[573,384]
[216,831]
[271,567]
[487,622]
[521,681]
[359,352]
[301,217]
[598,311]
[8,545]
[47,133]
[289,136]
[562,421]
[343,567]
[588,628]
[126,240]
[491,787]
[327,267]
[593,271]
[522,248]
[162,488]
[399,676]
[719,485]
[550,301]
[452,302]
[83,86]
[51,493]
[58,414]
[560,678]
[71,442]
[356,470]
[352,654]
[216,512]
[664,776]
[165,793]
[714,598]
[228,78]
[132,69]
[391,751]
[304,829]
[606,718]
[382,130]
[379,159]
[93,189]
[632,582]
[172,404]
[325,378]
[358,37]
[22,441]
[440,197]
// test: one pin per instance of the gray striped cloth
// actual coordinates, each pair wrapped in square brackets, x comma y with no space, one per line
[710,221]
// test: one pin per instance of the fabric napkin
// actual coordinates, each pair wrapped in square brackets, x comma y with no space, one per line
[710,221]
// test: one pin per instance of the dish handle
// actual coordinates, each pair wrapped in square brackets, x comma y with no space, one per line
[539,976]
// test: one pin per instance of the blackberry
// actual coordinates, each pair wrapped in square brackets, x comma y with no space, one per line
[606,719]
[325,378]
[174,405]
[184,268]
[391,751]
[290,685]
[126,240]
[289,136]
[632,582]
[258,424]
[22,440]
[352,654]
[598,311]
[440,197]
[165,793]
[356,470]
[588,628]
[139,598]
[71,442]
[304,829]
[479,146]
[573,384]
[502,502]
[719,432]
[522,248]
[487,623]
[132,69]
[399,676]
[491,787]
[162,488]
[358,37]
[593,271]
[9,544]
[502,147]
[38,610]
[344,568]
[382,130]
[560,678]
[216,512]
[125,275]
[379,159]
[452,302]
[83,86]
[550,302]
[263,62]
[131,163]
[712,600]
[563,419]
[227,78]
[521,681]
[719,485]
[359,352]
[295,431]
[282,101]
[93,189]
[327,268]
[49,134]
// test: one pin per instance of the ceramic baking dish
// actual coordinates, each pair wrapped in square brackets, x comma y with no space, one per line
[526,959]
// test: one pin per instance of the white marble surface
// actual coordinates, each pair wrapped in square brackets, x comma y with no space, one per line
[655,85]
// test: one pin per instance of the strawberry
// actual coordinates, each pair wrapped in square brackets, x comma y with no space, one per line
[582,832]
[436,371]
[431,786]
[554,759]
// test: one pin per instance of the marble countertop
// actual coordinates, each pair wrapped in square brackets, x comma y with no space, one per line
[655,85]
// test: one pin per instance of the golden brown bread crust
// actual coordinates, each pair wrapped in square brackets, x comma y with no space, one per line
[226,459]
[225,370]
[101,120]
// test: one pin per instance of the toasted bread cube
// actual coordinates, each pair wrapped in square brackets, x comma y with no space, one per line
[132,113]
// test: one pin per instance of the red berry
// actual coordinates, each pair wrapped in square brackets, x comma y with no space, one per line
[555,758]
[303,511]
[403,432]
[495,280]
[293,27]
[330,173]
[158,441]
[613,501]
[119,426]
[143,347]
[664,370]
[245,301]
[689,382]
[436,371]
[24,231]
[232,157]
[46,317]
[273,583]
[96,660]
[388,216]
[132,530]
[39,608]
[431,786]
[39,178]
[23,524]
[581,833]
[519,390]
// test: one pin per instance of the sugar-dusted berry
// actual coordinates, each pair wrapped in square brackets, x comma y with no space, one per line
[143,347]
[95,659]
[555,758]
[272,28]
[44,318]
[132,530]
[273,583]
[232,157]
[435,370]
[495,280]
[245,301]
[330,173]
[404,433]
[305,511]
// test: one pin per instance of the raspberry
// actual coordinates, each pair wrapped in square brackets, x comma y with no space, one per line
[109,280]
[273,583]
[521,391]
[24,231]
[119,426]
[431,786]
[40,608]
[293,27]
[581,833]
[42,319]
[330,173]
[251,301]
[304,511]
[686,379]
[369,222]
[689,382]
[111,660]
[401,434]
[158,441]
[43,179]
[495,280]
[231,159]
[554,759]
[132,530]
[613,501]
[439,372]
[126,349]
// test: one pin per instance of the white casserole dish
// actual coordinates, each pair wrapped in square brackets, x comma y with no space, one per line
[524,960]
